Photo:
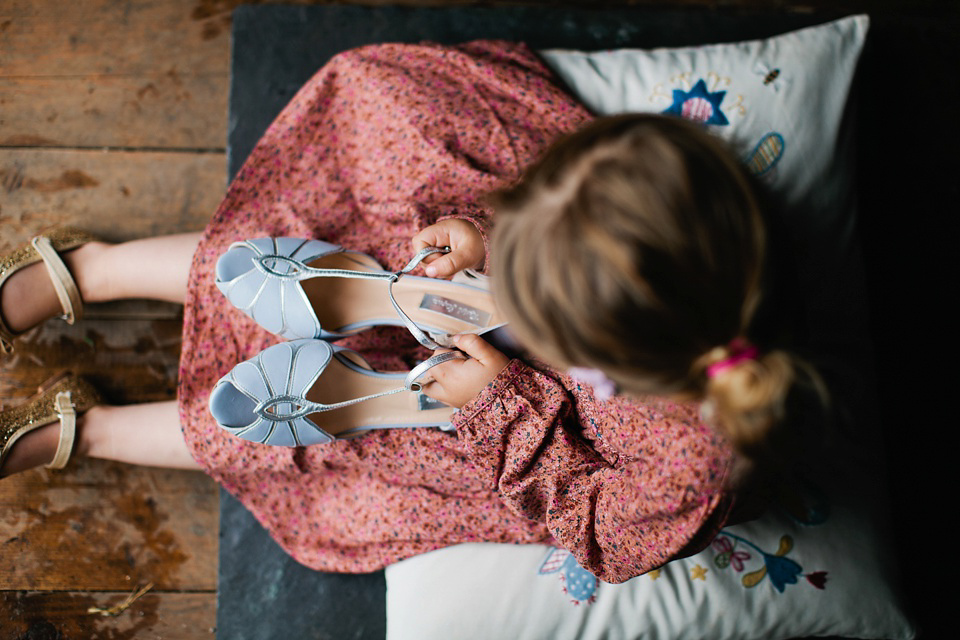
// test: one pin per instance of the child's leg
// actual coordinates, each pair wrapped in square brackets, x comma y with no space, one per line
[155,268]
[146,434]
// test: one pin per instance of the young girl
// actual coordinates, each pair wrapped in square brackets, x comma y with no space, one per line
[634,248]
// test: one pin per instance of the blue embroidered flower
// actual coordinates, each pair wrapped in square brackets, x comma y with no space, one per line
[698,104]
[782,571]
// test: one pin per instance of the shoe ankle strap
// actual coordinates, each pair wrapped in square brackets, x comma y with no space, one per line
[63,404]
[411,326]
[412,381]
[63,282]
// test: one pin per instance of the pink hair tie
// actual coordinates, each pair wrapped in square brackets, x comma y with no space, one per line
[740,350]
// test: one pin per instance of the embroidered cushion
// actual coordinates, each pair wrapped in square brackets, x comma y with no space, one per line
[825,569]
[782,103]
[822,570]
[779,100]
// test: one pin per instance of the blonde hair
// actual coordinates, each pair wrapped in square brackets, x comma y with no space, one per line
[636,246]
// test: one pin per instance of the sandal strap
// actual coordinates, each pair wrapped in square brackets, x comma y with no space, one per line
[63,282]
[412,383]
[305,272]
[304,406]
[68,429]
[411,326]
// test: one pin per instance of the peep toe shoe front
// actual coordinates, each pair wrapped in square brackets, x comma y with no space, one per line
[297,288]
[307,392]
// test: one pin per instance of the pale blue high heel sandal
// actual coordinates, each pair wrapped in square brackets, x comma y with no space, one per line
[307,392]
[298,288]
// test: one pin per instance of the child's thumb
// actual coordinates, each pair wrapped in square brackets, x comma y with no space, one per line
[443,266]
[475,347]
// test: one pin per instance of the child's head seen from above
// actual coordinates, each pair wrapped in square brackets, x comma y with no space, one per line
[636,246]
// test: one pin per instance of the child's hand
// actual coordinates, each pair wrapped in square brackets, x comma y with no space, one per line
[465,242]
[457,382]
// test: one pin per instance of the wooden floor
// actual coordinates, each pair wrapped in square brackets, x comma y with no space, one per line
[113,117]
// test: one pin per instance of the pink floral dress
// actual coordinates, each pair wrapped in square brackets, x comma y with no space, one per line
[380,143]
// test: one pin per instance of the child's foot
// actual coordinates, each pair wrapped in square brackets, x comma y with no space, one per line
[28,296]
[32,450]
[43,430]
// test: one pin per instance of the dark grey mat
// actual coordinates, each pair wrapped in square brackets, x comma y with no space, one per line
[263,594]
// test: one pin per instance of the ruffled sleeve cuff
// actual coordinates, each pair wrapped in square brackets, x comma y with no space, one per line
[479,417]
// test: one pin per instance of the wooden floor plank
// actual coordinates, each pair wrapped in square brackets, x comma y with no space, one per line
[99,525]
[111,37]
[166,110]
[65,615]
[117,196]
[107,527]
[129,360]
[112,73]
[106,73]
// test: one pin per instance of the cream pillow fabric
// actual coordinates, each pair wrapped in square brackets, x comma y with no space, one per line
[768,579]
[823,568]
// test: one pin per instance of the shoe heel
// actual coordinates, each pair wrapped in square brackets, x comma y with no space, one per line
[50,383]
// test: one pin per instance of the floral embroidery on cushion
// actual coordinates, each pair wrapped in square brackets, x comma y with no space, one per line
[578,583]
[766,154]
[699,104]
[777,566]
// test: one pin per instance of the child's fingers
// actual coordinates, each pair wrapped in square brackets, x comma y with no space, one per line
[433,383]
[433,389]
[445,265]
[432,236]
[464,240]
[478,348]
[458,381]
[434,265]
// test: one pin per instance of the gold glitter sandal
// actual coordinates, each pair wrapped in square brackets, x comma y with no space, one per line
[46,247]
[59,399]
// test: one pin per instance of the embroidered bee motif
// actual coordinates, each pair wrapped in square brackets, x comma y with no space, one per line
[771,76]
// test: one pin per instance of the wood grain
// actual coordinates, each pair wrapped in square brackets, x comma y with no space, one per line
[141,78]
[104,73]
[166,110]
[106,527]
[115,195]
[111,38]
[129,359]
[64,615]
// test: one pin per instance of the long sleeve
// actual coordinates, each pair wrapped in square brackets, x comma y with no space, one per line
[622,506]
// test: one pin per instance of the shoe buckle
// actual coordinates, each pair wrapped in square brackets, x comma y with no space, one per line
[64,406]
